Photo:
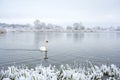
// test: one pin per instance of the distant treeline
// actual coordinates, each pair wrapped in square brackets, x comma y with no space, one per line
[38,25]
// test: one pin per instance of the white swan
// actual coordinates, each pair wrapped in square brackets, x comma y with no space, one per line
[44,48]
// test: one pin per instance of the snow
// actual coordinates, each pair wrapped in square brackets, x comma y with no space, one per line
[65,72]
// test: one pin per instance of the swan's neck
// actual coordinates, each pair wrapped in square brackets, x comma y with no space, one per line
[46,45]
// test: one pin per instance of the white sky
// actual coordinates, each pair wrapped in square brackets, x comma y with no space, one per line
[61,12]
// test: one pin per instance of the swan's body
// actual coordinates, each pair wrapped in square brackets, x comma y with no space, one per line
[44,48]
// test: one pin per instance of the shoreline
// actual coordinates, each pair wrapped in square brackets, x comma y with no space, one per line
[62,31]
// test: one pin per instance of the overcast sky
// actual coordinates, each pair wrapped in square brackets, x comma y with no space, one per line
[62,12]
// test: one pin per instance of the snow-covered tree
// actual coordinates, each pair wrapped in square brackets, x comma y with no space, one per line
[118,28]
[49,26]
[68,28]
[43,25]
[58,27]
[37,24]
[78,26]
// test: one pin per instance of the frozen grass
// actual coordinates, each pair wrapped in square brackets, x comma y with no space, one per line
[65,72]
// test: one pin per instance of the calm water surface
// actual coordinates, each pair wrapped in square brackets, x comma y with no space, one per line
[63,48]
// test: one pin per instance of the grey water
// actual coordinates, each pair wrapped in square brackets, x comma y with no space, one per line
[17,48]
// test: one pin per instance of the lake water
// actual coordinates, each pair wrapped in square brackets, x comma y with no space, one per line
[18,48]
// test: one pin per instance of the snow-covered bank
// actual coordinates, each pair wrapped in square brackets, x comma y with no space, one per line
[66,72]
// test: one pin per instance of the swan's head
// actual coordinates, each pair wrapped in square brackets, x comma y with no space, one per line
[46,41]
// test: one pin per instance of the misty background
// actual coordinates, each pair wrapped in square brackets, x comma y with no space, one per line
[91,13]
